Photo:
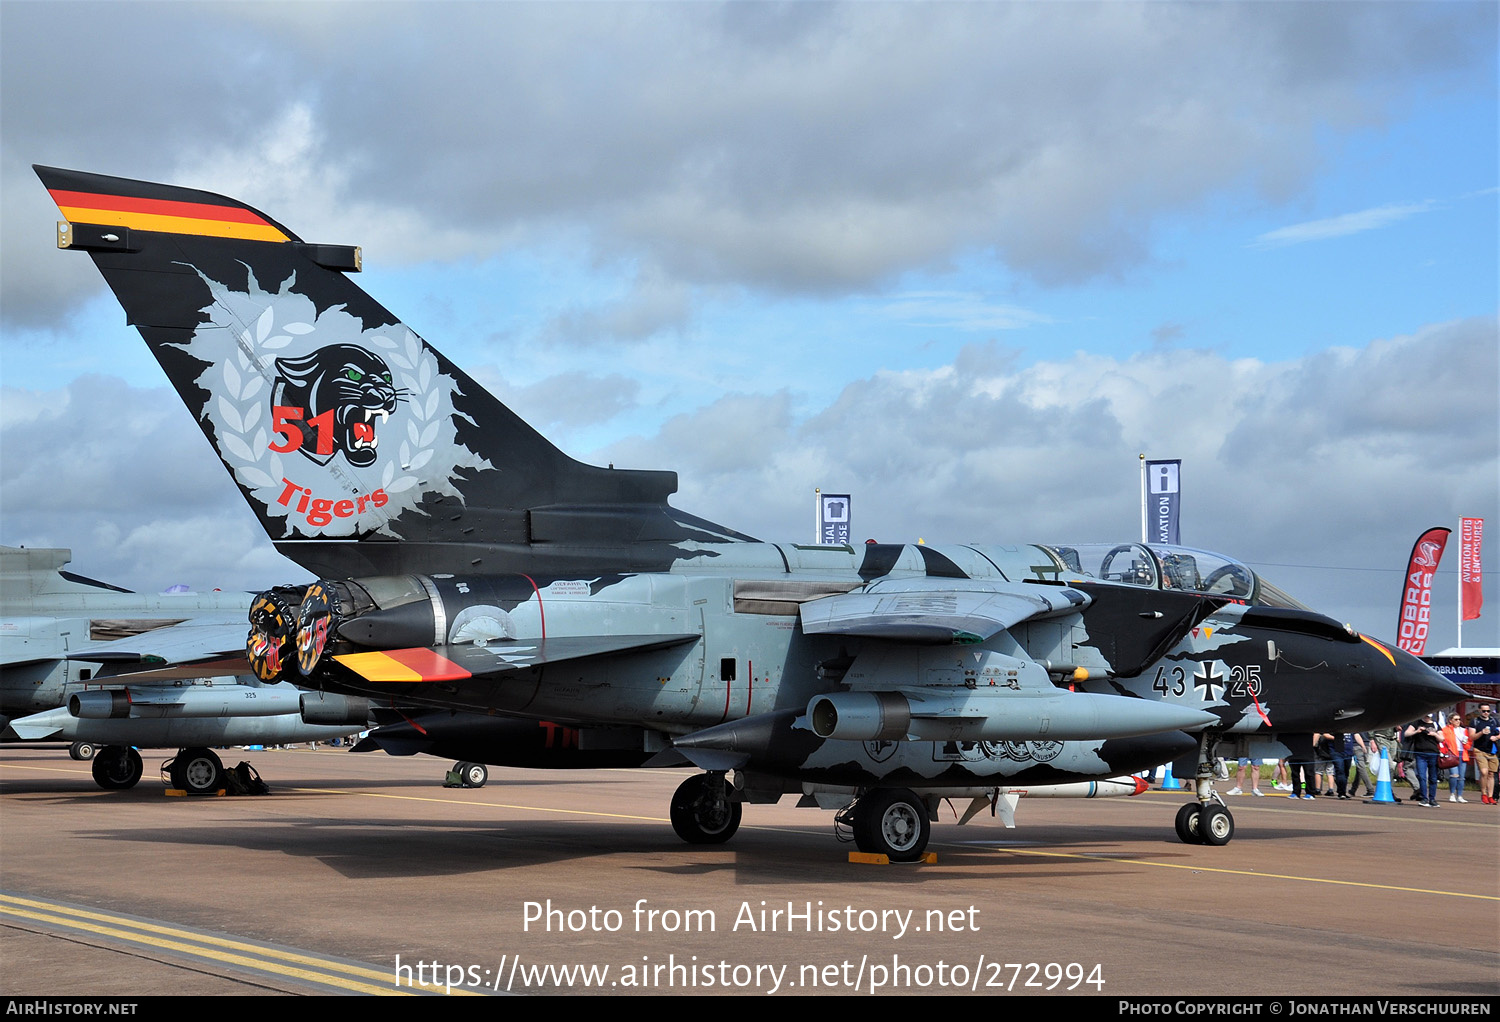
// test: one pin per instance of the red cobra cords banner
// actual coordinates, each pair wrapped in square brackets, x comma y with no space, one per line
[1416,591]
[1470,575]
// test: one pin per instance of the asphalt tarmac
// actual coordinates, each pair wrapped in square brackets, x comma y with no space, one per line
[362,874]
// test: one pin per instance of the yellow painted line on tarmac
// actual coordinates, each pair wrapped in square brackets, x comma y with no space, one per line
[47,770]
[1196,868]
[209,947]
[491,805]
[780,828]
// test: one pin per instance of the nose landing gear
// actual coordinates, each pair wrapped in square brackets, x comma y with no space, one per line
[1206,821]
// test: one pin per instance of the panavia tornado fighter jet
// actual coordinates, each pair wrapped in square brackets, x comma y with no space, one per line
[467,564]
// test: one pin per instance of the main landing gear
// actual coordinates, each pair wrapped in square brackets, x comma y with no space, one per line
[890,821]
[894,822]
[1206,821]
[467,775]
[196,771]
[703,812]
[117,767]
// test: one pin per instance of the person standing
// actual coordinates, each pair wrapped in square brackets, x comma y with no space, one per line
[1340,764]
[1322,762]
[1485,732]
[1300,772]
[1252,766]
[1360,746]
[1423,735]
[1455,743]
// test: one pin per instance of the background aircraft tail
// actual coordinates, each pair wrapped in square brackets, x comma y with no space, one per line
[361,448]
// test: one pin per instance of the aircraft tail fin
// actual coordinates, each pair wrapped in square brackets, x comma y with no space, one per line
[344,430]
[29,572]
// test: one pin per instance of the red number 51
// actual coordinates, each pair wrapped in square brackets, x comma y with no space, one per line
[283,422]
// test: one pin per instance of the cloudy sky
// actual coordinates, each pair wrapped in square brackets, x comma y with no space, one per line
[965,261]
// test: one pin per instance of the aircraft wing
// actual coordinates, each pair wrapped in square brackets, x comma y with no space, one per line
[192,641]
[936,610]
[468,660]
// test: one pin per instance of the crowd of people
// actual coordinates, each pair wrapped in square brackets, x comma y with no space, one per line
[1422,754]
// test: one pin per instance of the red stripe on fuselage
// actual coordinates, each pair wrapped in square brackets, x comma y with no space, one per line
[540,610]
[430,664]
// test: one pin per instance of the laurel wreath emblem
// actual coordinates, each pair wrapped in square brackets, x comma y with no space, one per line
[247,331]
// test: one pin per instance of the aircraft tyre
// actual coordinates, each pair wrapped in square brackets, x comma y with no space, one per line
[701,815]
[81,751]
[474,774]
[1189,817]
[117,767]
[197,771]
[892,822]
[1215,825]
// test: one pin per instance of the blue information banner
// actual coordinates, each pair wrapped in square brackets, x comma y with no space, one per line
[833,518]
[1163,500]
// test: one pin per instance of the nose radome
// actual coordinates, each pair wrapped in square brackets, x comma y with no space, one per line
[1420,688]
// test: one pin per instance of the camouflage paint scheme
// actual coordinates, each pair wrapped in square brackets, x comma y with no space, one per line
[467,564]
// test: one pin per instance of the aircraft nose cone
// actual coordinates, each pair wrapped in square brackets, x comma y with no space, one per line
[1434,690]
[1417,688]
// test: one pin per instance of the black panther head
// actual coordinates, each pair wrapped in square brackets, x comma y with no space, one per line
[344,392]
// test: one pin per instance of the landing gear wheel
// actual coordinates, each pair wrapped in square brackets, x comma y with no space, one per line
[81,750]
[197,771]
[117,767]
[474,774]
[702,814]
[1215,825]
[892,822]
[1189,820]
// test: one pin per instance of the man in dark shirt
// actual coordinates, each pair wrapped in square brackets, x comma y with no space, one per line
[1335,752]
[1486,731]
[1423,736]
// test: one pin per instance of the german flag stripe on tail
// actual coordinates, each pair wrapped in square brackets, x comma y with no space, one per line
[398,665]
[166,216]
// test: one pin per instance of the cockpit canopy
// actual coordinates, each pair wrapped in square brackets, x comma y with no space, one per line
[1161,566]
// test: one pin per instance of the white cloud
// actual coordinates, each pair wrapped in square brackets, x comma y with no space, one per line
[967,312]
[1324,460]
[817,151]
[1340,226]
[746,149]
[654,303]
[567,400]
